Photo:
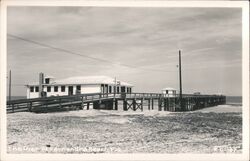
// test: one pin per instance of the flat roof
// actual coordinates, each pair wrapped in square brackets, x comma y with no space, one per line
[86,80]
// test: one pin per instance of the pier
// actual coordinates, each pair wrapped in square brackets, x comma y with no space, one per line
[111,101]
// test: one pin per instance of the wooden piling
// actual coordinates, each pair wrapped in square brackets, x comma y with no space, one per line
[159,104]
[125,105]
[134,104]
[148,104]
[88,106]
[152,101]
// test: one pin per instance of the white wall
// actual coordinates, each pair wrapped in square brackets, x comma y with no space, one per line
[84,89]
[171,93]
[32,94]
[53,93]
[90,88]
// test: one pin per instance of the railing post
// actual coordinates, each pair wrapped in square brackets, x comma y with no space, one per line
[60,103]
[82,104]
[13,106]
[30,107]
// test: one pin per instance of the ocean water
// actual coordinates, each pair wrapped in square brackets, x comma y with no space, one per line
[16,97]
[234,100]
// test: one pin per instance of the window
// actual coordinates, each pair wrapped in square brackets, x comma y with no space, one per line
[55,88]
[110,89]
[48,89]
[123,89]
[166,91]
[62,88]
[102,88]
[46,80]
[118,91]
[37,89]
[31,89]
[78,88]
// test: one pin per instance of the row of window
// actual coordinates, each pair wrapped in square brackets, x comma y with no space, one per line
[109,89]
[105,89]
[36,88]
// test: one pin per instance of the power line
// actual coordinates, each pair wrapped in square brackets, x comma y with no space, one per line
[82,55]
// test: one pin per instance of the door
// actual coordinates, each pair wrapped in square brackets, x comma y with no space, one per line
[70,92]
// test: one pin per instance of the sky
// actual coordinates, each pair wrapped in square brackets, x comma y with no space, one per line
[134,44]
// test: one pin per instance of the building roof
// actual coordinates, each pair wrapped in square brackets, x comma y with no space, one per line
[169,89]
[87,80]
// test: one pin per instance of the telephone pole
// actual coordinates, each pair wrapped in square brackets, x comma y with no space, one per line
[10,85]
[180,81]
[115,88]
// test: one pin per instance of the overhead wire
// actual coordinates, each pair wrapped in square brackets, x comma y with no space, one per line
[84,55]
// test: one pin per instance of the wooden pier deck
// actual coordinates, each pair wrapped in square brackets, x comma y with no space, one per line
[110,101]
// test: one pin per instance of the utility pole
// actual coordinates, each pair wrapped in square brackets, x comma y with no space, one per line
[10,85]
[180,81]
[115,87]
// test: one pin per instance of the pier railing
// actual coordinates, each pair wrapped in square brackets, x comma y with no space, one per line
[165,102]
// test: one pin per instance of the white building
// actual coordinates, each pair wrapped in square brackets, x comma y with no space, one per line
[76,85]
[169,92]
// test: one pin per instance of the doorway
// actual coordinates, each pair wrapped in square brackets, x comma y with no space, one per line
[70,92]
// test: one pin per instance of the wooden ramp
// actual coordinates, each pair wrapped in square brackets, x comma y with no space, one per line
[110,101]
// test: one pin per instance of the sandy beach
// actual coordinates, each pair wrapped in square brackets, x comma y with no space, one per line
[210,130]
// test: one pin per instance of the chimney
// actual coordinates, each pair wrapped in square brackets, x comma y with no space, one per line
[41,78]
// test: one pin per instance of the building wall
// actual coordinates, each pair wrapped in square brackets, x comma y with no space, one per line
[84,89]
[90,88]
[171,93]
